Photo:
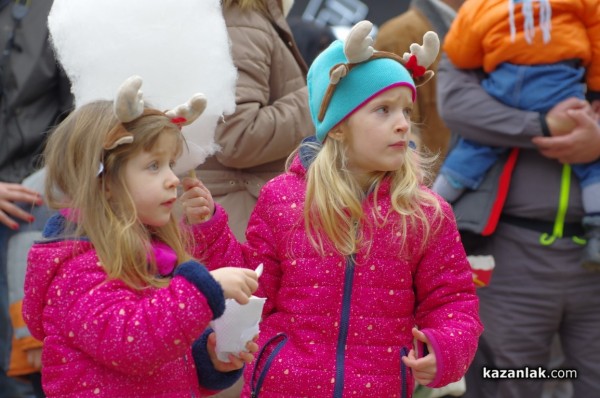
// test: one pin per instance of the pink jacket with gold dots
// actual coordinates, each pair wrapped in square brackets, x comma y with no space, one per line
[103,339]
[336,326]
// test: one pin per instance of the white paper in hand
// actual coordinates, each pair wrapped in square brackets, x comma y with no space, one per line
[237,326]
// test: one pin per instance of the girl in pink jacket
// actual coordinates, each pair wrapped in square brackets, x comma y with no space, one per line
[121,307]
[367,284]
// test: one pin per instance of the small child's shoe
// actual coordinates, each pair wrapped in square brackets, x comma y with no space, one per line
[591,252]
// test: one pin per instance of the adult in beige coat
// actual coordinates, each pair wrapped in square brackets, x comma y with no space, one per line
[271,115]
[395,36]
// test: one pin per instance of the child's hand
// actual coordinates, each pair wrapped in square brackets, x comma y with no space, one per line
[558,119]
[198,204]
[237,283]
[235,362]
[424,369]
[580,146]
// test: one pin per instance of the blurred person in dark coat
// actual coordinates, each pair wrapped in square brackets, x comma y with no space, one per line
[311,38]
[34,93]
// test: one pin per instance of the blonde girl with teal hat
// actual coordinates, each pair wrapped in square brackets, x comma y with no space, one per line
[367,284]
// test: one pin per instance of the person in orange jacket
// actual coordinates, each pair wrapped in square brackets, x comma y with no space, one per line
[536,54]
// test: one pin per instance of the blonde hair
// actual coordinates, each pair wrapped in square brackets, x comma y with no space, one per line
[333,212]
[73,155]
[245,5]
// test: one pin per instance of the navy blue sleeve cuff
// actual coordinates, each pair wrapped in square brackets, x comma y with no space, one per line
[199,276]
[208,376]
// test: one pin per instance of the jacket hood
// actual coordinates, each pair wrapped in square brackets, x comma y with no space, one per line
[43,268]
[308,150]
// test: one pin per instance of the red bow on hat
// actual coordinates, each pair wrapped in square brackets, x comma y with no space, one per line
[178,120]
[413,66]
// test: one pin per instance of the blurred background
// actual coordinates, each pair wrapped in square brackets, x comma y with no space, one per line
[341,14]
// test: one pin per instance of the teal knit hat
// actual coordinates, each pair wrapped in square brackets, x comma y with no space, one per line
[345,76]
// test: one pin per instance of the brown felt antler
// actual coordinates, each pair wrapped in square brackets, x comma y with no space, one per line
[358,48]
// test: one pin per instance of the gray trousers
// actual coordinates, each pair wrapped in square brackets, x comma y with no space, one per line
[536,293]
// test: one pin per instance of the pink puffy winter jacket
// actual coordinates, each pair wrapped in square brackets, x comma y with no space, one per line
[104,339]
[336,326]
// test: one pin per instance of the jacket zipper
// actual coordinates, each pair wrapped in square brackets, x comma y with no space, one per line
[338,388]
[403,374]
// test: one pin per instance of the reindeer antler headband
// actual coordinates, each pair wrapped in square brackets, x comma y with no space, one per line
[346,75]
[129,105]
[358,50]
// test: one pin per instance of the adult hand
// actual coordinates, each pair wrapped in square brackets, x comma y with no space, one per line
[425,368]
[596,107]
[9,195]
[582,145]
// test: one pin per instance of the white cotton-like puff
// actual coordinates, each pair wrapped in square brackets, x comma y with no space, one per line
[178,47]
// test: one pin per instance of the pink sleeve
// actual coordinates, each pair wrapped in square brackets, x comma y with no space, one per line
[447,306]
[137,330]
[216,245]
[221,248]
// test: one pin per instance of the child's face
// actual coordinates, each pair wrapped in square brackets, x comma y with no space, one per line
[152,183]
[376,135]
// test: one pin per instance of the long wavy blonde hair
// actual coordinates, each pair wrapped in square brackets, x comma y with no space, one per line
[333,211]
[73,156]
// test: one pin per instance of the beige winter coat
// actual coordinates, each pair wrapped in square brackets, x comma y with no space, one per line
[271,116]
